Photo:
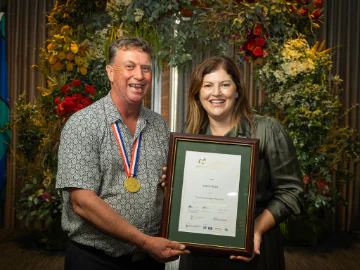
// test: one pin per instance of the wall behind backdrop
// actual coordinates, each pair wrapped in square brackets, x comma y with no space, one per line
[25,33]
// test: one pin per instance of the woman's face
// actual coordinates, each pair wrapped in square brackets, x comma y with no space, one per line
[217,95]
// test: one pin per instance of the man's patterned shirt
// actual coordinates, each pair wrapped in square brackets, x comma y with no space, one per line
[89,158]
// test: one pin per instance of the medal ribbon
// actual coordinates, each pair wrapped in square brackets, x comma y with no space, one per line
[130,167]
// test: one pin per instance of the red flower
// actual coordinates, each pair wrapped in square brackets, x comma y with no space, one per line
[257,30]
[250,45]
[317,3]
[258,52]
[302,12]
[60,110]
[69,104]
[260,41]
[57,100]
[79,107]
[86,101]
[76,82]
[321,186]
[77,97]
[90,89]
[306,179]
[186,13]
[66,88]
[316,14]
[305,2]
[46,196]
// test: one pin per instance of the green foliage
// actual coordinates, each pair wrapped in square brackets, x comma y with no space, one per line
[304,98]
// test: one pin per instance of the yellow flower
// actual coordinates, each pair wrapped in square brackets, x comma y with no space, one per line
[40,192]
[61,55]
[52,59]
[66,30]
[66,48]
[67,40]
[83,70]
[52,46]
[79,60]
[44,94]
[47,181]
[74,48]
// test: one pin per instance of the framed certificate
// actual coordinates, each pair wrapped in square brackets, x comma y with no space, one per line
[210,193]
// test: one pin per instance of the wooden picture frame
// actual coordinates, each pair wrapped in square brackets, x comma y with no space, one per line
[210,193]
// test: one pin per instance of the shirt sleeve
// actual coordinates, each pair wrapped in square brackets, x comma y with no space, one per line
[78,156]
[286,180]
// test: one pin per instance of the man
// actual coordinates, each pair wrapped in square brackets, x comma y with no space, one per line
[110,159]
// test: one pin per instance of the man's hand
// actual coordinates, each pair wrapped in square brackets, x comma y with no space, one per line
[164,250]
[163,177]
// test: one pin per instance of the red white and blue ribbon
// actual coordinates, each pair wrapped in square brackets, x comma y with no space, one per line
[130,167]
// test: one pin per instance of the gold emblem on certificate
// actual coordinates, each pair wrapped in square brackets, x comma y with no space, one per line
[132,184]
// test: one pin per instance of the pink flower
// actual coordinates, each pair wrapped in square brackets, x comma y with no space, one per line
[46,196]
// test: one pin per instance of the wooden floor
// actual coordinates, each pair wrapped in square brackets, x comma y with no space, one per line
[19,251]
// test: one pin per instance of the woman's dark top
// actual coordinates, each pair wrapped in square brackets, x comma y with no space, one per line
[279,189]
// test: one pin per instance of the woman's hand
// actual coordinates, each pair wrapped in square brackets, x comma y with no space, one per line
[263,223]
[163,177]
[257,243]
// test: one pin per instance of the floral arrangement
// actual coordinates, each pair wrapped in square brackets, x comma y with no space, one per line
[304,98]
[74,97]
[65,54]
[254,25]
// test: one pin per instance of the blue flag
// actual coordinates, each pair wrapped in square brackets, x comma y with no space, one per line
[4,102]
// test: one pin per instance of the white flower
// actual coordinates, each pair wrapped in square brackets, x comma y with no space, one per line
[139,13]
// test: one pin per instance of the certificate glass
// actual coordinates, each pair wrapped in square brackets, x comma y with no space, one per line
[210,193]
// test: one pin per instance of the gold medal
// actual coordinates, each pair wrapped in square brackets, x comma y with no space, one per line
[132,184]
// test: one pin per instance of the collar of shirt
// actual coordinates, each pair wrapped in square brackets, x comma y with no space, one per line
[244,129]
[113,115]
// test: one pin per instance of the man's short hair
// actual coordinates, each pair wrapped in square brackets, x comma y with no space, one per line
[128,43]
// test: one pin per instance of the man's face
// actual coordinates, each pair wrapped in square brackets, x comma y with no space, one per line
[130,75]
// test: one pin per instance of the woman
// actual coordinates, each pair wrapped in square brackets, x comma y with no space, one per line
[218,106]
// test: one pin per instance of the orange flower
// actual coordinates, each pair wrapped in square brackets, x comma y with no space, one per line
[302,12]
